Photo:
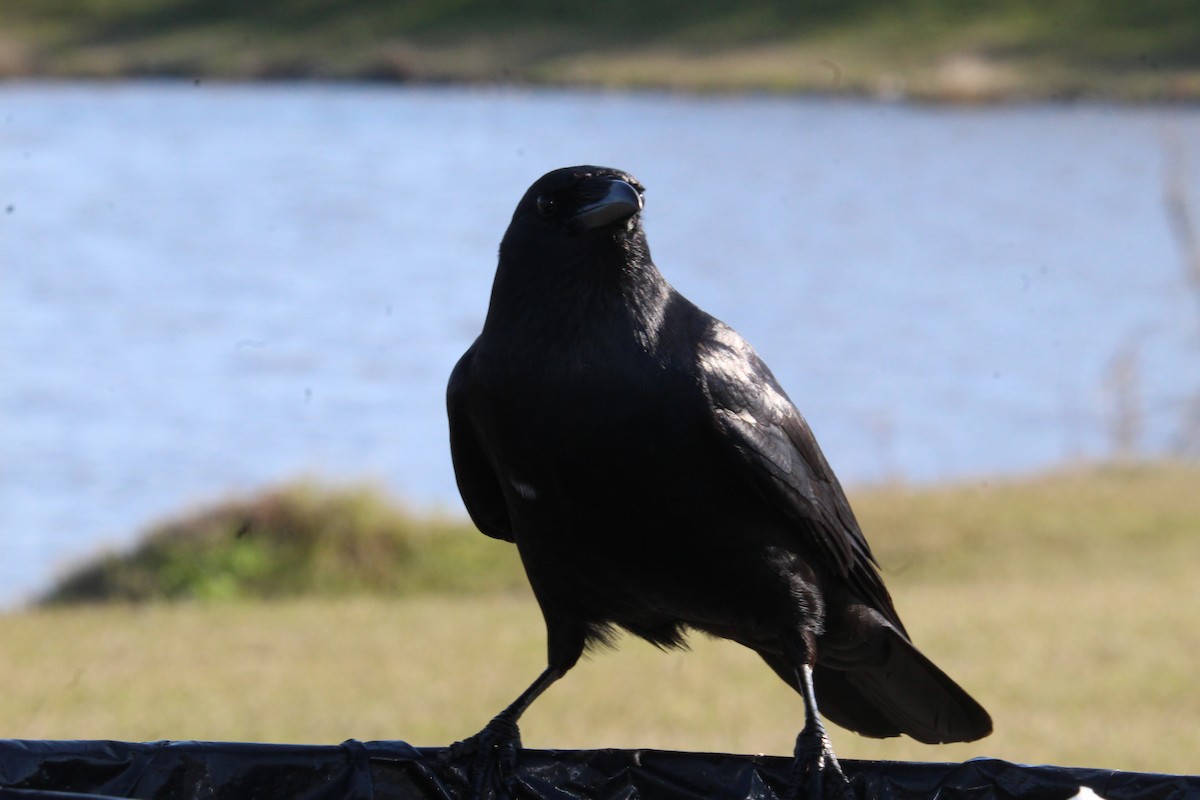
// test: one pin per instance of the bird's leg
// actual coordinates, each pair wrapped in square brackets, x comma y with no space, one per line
[493,751]
[814,759]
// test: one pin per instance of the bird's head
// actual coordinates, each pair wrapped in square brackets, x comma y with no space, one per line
[576,212]
[573,255]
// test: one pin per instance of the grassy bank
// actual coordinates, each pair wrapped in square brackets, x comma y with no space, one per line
[299,539]
[941,49]
[1067,603]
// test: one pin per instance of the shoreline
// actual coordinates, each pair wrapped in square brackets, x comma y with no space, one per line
[937,52]
[1062,97]
[793,68]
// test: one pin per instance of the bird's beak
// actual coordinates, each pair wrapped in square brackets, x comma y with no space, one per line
[620,201]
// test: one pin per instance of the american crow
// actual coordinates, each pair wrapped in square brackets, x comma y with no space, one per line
[655,477]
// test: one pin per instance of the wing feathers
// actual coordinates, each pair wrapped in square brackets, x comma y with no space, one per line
[755,417]
[477,481]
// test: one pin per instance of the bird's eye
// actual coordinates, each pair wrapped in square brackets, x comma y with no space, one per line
[545,205]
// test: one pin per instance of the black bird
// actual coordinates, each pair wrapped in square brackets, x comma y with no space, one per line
[655,477]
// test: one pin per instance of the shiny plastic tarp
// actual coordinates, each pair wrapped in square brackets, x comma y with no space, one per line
[100,770]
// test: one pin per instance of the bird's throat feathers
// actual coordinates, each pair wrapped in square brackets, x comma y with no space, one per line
[548,299]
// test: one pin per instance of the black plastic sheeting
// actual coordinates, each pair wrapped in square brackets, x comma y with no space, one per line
[100,770]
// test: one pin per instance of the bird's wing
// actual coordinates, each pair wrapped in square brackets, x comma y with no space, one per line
[477,481]
[758,422]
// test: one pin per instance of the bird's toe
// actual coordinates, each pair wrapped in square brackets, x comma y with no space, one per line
[489,759]
[816,773]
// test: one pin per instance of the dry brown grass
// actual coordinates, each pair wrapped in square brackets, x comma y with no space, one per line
[1068,605]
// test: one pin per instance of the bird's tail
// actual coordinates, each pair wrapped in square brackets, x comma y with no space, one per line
[905,692]
[896,690]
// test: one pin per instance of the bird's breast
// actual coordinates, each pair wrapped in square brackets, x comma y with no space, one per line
[622,496]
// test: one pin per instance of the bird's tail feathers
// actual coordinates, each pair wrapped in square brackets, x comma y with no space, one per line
[900,691]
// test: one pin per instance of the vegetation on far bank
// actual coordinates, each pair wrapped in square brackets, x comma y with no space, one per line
[939,49]
[295,540]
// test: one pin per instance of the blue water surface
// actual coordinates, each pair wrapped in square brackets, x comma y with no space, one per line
[208,289]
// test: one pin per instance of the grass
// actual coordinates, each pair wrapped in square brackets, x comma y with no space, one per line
[1066,603]
[939,49]
[299,539]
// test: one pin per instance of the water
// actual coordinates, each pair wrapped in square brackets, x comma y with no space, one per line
[208,288]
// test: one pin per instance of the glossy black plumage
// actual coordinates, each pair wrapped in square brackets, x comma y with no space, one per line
[655,476]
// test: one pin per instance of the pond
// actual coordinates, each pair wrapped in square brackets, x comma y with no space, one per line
[208,288]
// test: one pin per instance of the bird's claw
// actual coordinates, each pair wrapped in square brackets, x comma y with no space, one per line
[814,762]
[491,756]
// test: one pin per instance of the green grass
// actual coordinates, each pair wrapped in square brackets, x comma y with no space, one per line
[295,540]
[944,49]
[1067,603]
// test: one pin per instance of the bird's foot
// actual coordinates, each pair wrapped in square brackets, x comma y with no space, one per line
[816,773]
[491,756]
